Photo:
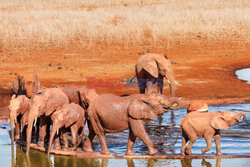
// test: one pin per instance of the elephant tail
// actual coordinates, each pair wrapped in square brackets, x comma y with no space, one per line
[131,80]
[176,136]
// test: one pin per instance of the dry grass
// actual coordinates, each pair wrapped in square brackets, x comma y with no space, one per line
[55,23]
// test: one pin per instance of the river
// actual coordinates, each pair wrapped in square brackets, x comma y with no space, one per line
[162,131]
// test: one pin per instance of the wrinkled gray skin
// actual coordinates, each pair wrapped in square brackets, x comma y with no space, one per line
[43,104]
[69,116]
[110,114]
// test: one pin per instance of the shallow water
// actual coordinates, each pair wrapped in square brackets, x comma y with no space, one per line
[244,74]
[162,131]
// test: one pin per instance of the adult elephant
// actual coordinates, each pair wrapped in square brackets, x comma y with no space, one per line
[43,104]
[110,114]
[150,69]
[207,124]
[25,85]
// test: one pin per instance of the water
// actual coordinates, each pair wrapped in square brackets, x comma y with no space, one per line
[244,74]
[162,131]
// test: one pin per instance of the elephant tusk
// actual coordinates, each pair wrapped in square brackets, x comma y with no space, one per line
[26,123]
[35,122]
[177,83]
[57,131]
[15,120]
[168,81]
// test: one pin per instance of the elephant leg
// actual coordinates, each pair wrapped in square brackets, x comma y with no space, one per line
[217,138]
[64,138]
[37,130]
[102,139]
[74,132]
[131,142]
[191,135]
[138,129]
[17,135]
[184,142]
[150,86]
[142,85]
[160,85]
[43,127]
[57,145]
[24,129]
[208,138]
[88,142]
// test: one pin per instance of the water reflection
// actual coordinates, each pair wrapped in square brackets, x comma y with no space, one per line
[188,163]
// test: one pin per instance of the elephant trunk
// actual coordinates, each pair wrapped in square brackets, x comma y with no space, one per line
[52,135]
[244,117]
[12,118]
[32,117]
[172,87]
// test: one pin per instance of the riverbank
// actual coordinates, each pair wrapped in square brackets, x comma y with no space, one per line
[206,71]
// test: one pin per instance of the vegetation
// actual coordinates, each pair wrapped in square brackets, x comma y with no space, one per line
[56,23]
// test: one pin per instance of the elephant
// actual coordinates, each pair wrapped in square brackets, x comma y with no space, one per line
[19,111]
[70,115]
[151,68]
[206,124]
[74,95]
[109,113]
[43,104]
[25,85]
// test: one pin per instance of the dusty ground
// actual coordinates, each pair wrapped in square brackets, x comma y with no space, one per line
[206,69]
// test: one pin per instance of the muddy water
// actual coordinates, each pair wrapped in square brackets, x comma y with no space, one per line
[162,131]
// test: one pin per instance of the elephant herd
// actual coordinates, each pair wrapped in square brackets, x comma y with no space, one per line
[34,108]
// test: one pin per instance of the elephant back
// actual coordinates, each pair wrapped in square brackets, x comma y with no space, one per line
[72,93]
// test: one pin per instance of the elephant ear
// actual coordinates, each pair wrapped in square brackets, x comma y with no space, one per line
[149,64]
[71,117]
[141,109]
[36,85]
[15,85]
[25,105]
[218,122]
[53,104]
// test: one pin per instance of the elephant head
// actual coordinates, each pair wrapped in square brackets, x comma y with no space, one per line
[223,120]
[46,101]
[156,65]
[151,105]
[18,105]
[26,85]
[87,96]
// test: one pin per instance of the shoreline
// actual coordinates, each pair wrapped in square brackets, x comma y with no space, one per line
[206,71]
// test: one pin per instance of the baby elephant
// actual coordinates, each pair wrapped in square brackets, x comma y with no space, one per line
[198,125]
[71,115]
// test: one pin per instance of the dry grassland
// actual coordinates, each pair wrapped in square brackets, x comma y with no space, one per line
[61,23]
